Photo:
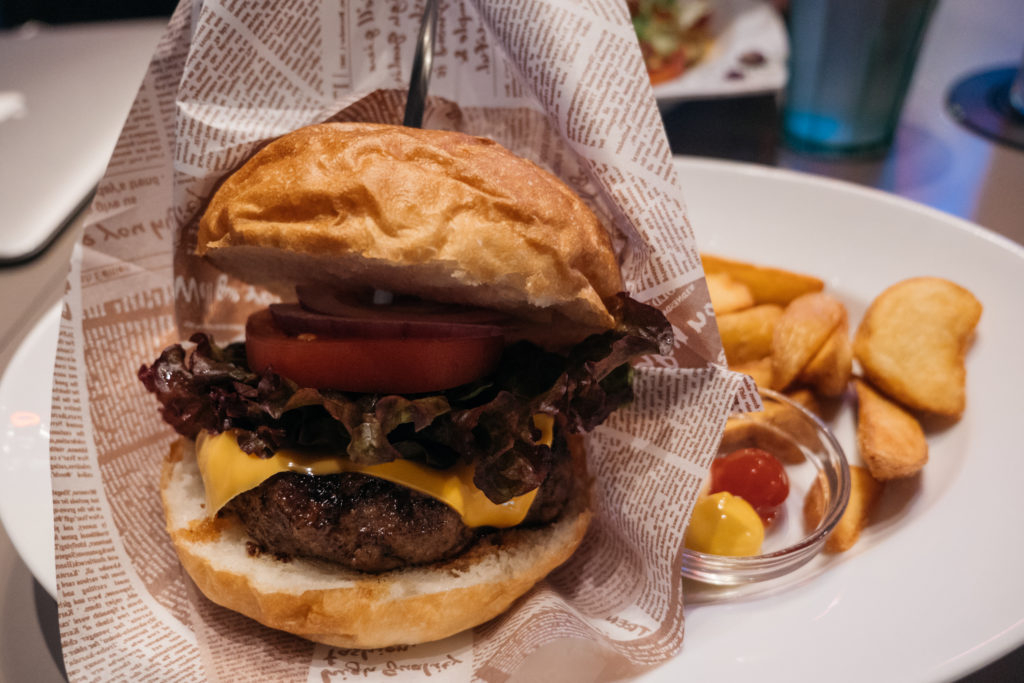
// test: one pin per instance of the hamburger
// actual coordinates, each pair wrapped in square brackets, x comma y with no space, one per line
[394,453]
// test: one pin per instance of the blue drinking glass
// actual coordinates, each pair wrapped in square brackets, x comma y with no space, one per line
[850,64]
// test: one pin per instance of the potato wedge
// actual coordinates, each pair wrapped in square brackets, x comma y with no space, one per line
[890,440]
[830,369]
[751,431]
[789,420]
[864,494]
[913,340]
[768,285]
[815,503]
[806,398]
[760,370]
[727,293]
[803,329]
[747,335]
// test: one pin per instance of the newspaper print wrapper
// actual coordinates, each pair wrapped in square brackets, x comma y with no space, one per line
[561,83]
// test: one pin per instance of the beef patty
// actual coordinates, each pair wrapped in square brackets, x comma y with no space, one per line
[370,524]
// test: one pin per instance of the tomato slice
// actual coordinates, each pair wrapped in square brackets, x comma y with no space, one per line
[380,364]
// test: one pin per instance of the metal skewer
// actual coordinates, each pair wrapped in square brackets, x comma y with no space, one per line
[422,62]
[415,103]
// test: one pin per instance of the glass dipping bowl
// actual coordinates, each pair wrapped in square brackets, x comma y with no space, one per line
[809,451]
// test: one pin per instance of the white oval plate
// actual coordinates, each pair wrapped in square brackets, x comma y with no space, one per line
[738,27]
[932,589]
[25,492]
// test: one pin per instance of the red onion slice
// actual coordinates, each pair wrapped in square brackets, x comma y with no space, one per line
[403,308]
[295,320]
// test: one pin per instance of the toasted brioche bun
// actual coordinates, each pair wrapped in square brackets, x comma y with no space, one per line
[437,214]
[329,604]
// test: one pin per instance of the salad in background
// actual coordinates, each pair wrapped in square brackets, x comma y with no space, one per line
[673,34]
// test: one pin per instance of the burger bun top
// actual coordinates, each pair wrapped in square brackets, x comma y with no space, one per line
[441,215]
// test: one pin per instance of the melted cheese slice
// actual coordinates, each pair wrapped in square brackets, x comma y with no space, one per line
[227,471]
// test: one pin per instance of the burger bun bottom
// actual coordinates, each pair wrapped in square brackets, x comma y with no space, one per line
[326,603]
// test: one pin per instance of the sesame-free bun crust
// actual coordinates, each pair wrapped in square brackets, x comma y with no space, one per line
[323,602]
[437,214]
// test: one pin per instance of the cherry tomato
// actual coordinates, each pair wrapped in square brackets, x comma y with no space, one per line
[754,475]
[399,364]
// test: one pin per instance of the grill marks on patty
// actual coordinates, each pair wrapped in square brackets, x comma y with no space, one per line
[353,519]
[370,524]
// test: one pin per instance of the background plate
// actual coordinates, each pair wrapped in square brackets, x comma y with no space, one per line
[738,27]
